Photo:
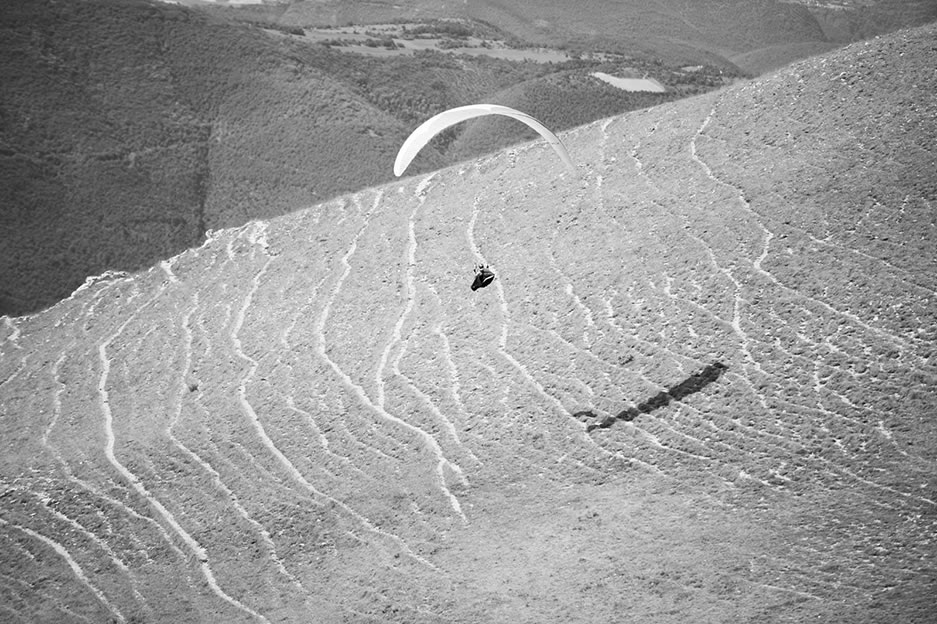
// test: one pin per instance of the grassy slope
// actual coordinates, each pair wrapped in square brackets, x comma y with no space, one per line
[869,19]
[305,398]
[774,57]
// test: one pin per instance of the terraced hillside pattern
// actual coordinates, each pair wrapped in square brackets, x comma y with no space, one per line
[701,388]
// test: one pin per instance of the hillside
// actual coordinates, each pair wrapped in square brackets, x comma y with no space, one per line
[122,153]
[701,387]
[130,128]
[754,35]
[672,30]
[555,100]
[853,20]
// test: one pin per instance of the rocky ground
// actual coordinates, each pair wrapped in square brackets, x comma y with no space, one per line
[701,388]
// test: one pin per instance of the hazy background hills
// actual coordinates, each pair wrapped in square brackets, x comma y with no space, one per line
[701,388]
[129,129]
[755,35]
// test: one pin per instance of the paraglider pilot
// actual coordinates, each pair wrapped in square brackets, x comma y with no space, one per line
[483,276]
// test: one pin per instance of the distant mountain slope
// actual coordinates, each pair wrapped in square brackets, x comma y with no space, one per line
[672,30]
[756,36]
[555,100]
[667,28]
[701,387]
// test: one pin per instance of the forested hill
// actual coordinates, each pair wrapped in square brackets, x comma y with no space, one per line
[129,128]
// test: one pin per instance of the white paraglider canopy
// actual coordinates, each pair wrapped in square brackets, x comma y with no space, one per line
[434,125]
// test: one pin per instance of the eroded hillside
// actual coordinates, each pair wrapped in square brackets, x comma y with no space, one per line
[701,387]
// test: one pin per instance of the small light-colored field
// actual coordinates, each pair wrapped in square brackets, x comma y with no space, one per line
[631,84]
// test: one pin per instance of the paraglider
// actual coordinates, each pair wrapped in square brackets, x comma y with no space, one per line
[434,125]
[483,276]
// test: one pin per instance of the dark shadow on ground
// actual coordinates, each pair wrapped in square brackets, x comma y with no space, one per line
[691,385]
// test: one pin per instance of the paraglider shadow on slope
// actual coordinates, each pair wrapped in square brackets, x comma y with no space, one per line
[691,385]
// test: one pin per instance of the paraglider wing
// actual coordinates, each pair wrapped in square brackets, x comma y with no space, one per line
[434,125]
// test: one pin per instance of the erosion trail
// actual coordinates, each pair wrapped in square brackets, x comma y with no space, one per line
[397,341]
[356,388]
[78,571]
[184,389]
[191,543]
[757,262]
[506,320]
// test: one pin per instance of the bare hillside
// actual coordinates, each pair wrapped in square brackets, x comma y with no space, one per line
[701,387]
